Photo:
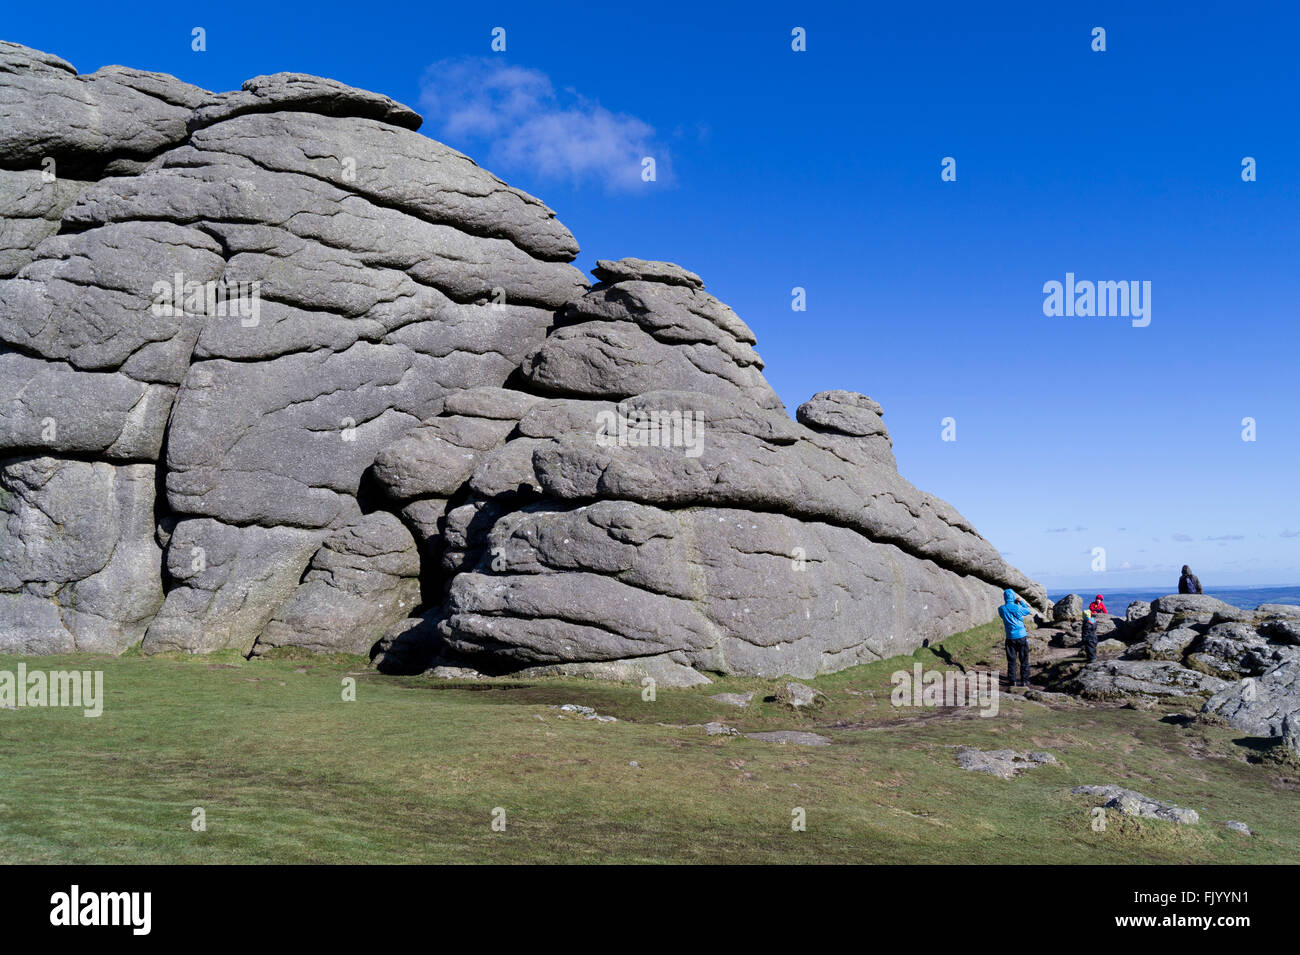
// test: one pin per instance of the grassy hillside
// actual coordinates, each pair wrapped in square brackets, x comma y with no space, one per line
[286,771]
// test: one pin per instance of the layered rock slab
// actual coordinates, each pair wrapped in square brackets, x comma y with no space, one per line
[723,590]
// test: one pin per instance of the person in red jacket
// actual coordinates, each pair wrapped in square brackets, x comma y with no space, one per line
[1098,605]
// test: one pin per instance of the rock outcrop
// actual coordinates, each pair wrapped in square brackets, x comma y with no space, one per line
[281,371]
[1243,664]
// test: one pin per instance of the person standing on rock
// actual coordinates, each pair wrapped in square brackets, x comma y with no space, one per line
[1189,583]
[1013,613]
[1089,636]
[1098,605]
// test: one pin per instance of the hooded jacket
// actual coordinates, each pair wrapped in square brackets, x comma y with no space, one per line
[1013,614]
[1189,583]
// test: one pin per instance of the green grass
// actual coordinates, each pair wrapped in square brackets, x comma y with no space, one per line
[411,772]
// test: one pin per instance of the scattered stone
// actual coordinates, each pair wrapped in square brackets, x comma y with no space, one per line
[1132,803]
[798,737]
[733,699]
[1003,763]
[1241,827]
[720,729]
[799,696]
[587,713]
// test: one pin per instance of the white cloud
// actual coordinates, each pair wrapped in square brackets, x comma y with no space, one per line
[517,115]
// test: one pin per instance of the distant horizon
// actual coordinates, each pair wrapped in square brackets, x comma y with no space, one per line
[1136,587]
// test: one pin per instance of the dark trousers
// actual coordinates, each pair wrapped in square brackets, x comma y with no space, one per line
[1018,650]
[1090,645]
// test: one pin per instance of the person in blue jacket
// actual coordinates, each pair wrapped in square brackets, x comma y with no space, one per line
[1013,613]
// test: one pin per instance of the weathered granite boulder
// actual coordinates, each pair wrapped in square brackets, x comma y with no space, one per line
[856,418]
[1260,705]
[1137,612]
[364,575]
[1181,610]
[1119,679]
[80,569]
[1232,651]
[1130,803]
[1003,763]
[1282,630]
[799,696]
[1163,645]
[1278,610]
[1069,607]
[283,372]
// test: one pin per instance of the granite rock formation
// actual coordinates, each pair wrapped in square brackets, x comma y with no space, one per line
[1243,664]
[280,371]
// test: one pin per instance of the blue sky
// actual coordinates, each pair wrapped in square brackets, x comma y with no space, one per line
[821,169]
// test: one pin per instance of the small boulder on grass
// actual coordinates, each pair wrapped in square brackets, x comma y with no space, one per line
[1131,803]
[1003,763]
[800,697]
